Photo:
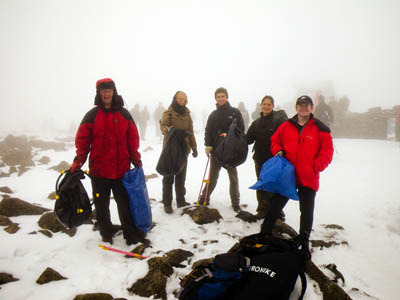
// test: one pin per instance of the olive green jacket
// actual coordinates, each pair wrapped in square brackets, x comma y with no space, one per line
[183,122]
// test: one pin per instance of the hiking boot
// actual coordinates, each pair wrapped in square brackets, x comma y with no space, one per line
[236,208]
[301,242]
[107,240]
[182,204]
[168,209]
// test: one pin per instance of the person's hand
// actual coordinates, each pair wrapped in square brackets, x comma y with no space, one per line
[76,165]
[138,163]
[279,153]
[208,150]
[194,153]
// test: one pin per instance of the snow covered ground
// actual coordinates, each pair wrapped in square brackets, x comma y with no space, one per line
[359,191]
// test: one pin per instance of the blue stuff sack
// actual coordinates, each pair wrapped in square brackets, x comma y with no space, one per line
[135,184]
[277,176]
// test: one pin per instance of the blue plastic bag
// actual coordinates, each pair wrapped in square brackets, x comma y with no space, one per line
[277,176]
[135,184]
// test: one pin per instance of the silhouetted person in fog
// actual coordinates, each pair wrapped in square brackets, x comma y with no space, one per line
[323,112]
[144,116]
[158,112]
[245,115]
[257,111]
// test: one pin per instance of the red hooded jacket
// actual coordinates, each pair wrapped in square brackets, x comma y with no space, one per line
[111,137]
[309,149]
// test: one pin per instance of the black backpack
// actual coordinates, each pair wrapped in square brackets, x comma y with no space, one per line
[174,155]
[232,149]
[275,266]
[72,207]
[263,268]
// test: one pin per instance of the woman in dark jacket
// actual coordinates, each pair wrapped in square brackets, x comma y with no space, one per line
[260,133]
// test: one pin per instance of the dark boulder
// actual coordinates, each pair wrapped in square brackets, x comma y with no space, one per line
[13,207]
[6,278]
[49,221]
[5,221]
[6,189]
[49,275]
[203,214]
[62,166]
[12,228]
[94,296]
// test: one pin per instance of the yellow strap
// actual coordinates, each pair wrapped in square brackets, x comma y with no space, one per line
[79,211]
[97,195]
[206,181]
[57,197]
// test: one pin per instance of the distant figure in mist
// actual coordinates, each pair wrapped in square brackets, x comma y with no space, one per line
[144,116]
[245,115]
[157,118]
[398,126]
[135,113]
[324,112]
[256,113]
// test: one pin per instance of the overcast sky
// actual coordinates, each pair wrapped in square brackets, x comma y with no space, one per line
[53,51]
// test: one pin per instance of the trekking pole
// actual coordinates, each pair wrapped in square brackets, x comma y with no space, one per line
[204,181]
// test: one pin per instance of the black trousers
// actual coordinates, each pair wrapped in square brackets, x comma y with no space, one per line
[278,202]
[102,188]
[215,167]
[180,190]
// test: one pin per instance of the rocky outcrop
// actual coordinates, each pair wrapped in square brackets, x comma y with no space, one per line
[49,275]
[49,221]
[6,189]
[5,221]
[13,207]
[6,278]
[154,283]
[203,214]
[62,166]
[94,296]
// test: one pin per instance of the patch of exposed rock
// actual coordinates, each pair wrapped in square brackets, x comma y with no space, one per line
[6,278]
[49,221]
[94,296]
[203,214]
[154,283]
[62,166]
[5,221]
[52,196]
[12,228]
[6,189]
[13,207]
[44,145]
[49,275]
[44,160]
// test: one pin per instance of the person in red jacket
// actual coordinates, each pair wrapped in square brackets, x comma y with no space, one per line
[307,143]
[109,136]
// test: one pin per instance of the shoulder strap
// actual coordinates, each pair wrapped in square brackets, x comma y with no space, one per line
[303,285]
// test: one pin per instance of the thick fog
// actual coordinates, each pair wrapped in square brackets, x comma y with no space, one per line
[52,52]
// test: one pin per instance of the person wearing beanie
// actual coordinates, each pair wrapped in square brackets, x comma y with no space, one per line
[109,136]
[307,143]
[177,116]
[218,124]
[260,133]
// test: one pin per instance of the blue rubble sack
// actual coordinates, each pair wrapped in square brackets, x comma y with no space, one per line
[277,176]
[135,184]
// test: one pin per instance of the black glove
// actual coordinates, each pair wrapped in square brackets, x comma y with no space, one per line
[138,163]
[194,153]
